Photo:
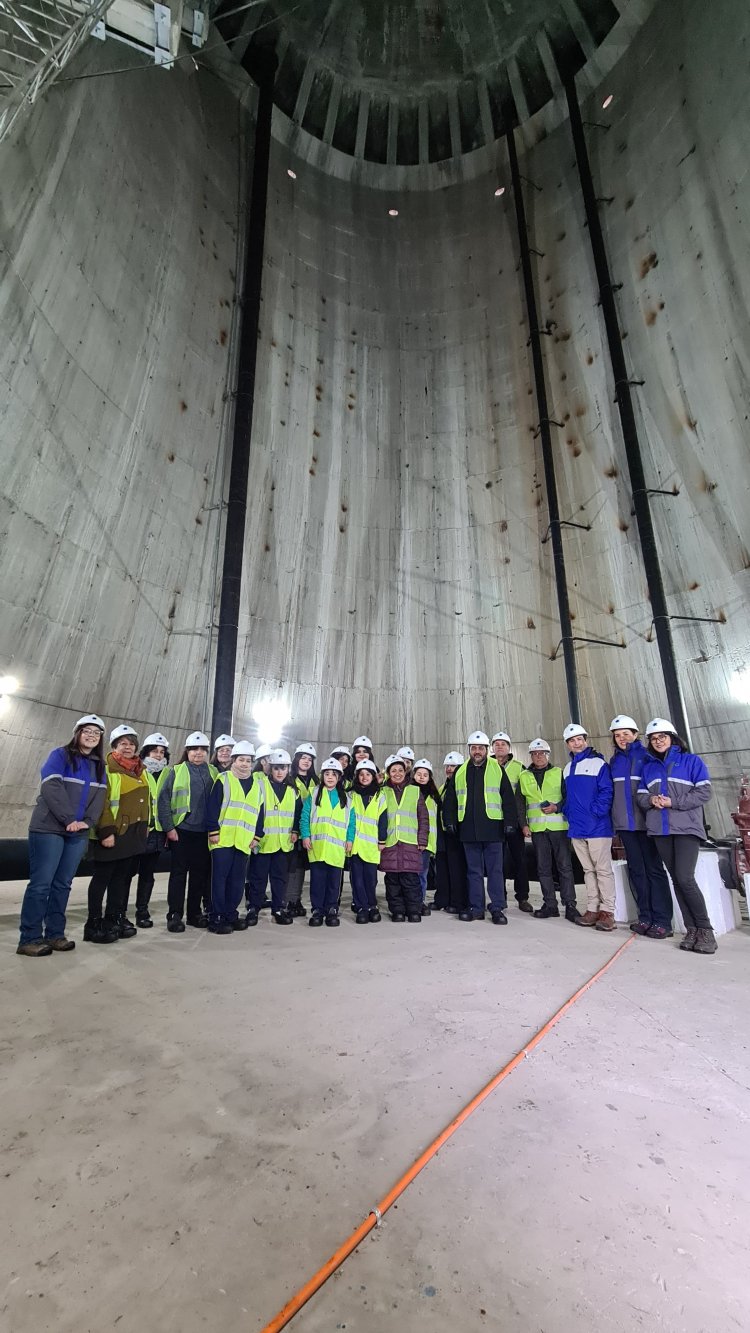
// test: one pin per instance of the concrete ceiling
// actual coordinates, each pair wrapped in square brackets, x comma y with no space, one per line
[410,81]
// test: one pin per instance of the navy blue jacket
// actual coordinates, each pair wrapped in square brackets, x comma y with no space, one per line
[686,780]
[626,767]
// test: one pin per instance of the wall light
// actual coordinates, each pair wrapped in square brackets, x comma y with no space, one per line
[500,190]
[609,99]
[291,173]
[393,212]
[270,717]
[739,685]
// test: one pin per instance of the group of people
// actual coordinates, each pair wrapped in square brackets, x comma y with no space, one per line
[235,818]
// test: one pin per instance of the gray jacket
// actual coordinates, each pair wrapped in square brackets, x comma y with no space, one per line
[196,820]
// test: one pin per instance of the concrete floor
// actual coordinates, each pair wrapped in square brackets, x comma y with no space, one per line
[192,1125]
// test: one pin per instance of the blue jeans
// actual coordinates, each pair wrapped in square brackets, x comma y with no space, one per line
[485,858]
[53,861]
[423,874]
[648,879]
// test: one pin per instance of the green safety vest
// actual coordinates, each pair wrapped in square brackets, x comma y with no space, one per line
[402,819]
[278,820]
[431,804]
[114,789]
[365,843]
[239,813]
[328,826]
[493,775]
[180,800]
[514,769]
[550,793]
[304,789]
[153,814]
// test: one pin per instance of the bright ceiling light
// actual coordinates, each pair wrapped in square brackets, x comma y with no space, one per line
[609,99]
[393,212]
[270,717]
[739,685]
[500,190]
[291,173]
[8,684]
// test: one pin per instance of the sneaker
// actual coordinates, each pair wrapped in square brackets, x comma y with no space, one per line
[175,925]
[544,912]
[251,918]
[61,945]
[239,924]
[332,918]
[414,917]
[399,916]
[97,931]
[296,908]
[316,919]
[220,928]
[688,944]
[374,914]
[199,922]
[466,916]
[572,913]
[283,918]
[705,942]
[605,921]
[499,918]
[640,927]
[143,920]
[659,933]
[35,949]
[362,918]
[588,919]
[125,929]
[525,906]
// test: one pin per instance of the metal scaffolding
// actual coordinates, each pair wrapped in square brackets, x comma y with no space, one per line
[37,39]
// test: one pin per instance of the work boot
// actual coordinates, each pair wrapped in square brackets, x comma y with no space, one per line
[251,918]
[296,908]
[525,906]
[199,921]
[605,921]
[332,918]
[35,949]
[175,925]
[398,916]
[659,933]
[588,919]
[97,931]
[362,918]
[374,914]
[316,919]
[283,918]
[61,945]
[221,928]
[239,924]
[499,918]
[414,917]
[688,944]
[544,912]
[466,916]
[640,927]
[142,919]
[571,912]
[705,942]
[125,929]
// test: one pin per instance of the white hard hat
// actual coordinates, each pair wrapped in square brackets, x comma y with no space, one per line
[362,740]
[574,729]
[453,757]
[156,738]
[278,758]
[331,763]
[502,736]
[368,764]
[223,740]
[538,744]
[306,748]
[90,720]
[393,759]
[242,747]
[478,738]
[262,752]
[123,730]
[197,740]
[623,722]
[660,724]
[406,752]
[422,763]
[342,749]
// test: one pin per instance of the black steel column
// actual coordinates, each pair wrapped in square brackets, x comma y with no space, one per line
[641,503]
[558,555]
[264,72]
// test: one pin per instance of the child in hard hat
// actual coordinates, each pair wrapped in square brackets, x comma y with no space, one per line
[408,832]
[235,818]
[121,836]
[450,862]
[305,780]
[182,806]
[368,802]
[283,808]
[422,777]
[328,827]
[155,757]
[587,806]
[540,798]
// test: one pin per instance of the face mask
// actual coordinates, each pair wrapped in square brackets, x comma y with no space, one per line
[154,765]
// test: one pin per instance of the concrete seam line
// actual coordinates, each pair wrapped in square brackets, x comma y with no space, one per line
[376,1214]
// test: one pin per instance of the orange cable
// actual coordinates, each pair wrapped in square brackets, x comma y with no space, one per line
[314,1284]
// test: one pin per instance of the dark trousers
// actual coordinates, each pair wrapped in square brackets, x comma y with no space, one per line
[485,858]
[648,879]
[552,848]
[450,874]
[53,861]
[114,879]
[680,856]
[363,876]
[147,864]
[228,867]
[261,866]
[191,865]
[325,886]
[403,892]
[514,864]
[297,869]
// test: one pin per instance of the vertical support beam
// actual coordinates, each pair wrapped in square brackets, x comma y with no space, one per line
[264,72]
[641,503]
[558,555]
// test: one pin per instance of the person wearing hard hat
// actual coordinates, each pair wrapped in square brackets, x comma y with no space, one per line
[305,780]
[222,755]
[587,806]
[646,873]
[344,756]
[362,749]
[121,837]
[675,785]
[422,777]
[486,809]
[540,799]
[406,755]
[450,862]
[235,824]
[407,834]
[182,809]
[328,826]
[70,800]
[515,843]
[371,831]
[261,760]
[283,808]
[155,757]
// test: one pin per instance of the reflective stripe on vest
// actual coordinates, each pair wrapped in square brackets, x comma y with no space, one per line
[493,776]
[431,804]
[239,813]
[328,826]
[278,820]
[402,819]
[365,843]
[180,799]
[550,793]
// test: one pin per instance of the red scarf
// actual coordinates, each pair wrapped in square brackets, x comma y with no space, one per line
[132,766]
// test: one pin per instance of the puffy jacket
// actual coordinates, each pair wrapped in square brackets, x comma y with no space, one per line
[70,791]
[626,767]
[686,780]
[587,795]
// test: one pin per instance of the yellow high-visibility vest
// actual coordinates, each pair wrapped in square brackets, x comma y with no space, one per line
[328,828]
[239,812]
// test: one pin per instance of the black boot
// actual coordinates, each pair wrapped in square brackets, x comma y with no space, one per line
[316,919]
[199,922]
[571,912]
[296,908]
[524,905]
[426,909]
[283,918]
[363,917]
[252,917]
[97,931]
[374,914]
[332,918]
[175,925]
[142,919]
[125,929]
[544,912]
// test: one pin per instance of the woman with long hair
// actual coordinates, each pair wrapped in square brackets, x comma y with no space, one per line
[646,873]
[371,831]
[69,803]
[328,827]
[182,807]
[450,862]
[283,807]
[121,836]
[155,758]
[422,777]
[305,780]
[407,835]
[222,755]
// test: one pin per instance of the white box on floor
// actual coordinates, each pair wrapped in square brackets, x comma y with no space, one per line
[722,905]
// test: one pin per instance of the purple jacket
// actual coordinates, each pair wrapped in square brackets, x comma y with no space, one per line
[404,858]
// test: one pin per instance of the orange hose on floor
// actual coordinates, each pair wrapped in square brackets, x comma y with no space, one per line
[314,1284]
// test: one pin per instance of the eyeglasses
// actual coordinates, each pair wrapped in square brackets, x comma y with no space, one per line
[90,731]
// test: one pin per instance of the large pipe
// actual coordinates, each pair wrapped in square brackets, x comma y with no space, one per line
[641,503]
[555,531]
[264,72]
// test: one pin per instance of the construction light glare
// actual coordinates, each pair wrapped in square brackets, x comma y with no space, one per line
[270,717]
[8,684]
[291,173]
[739,685]
[608,101]
[393,212]
[500,190]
